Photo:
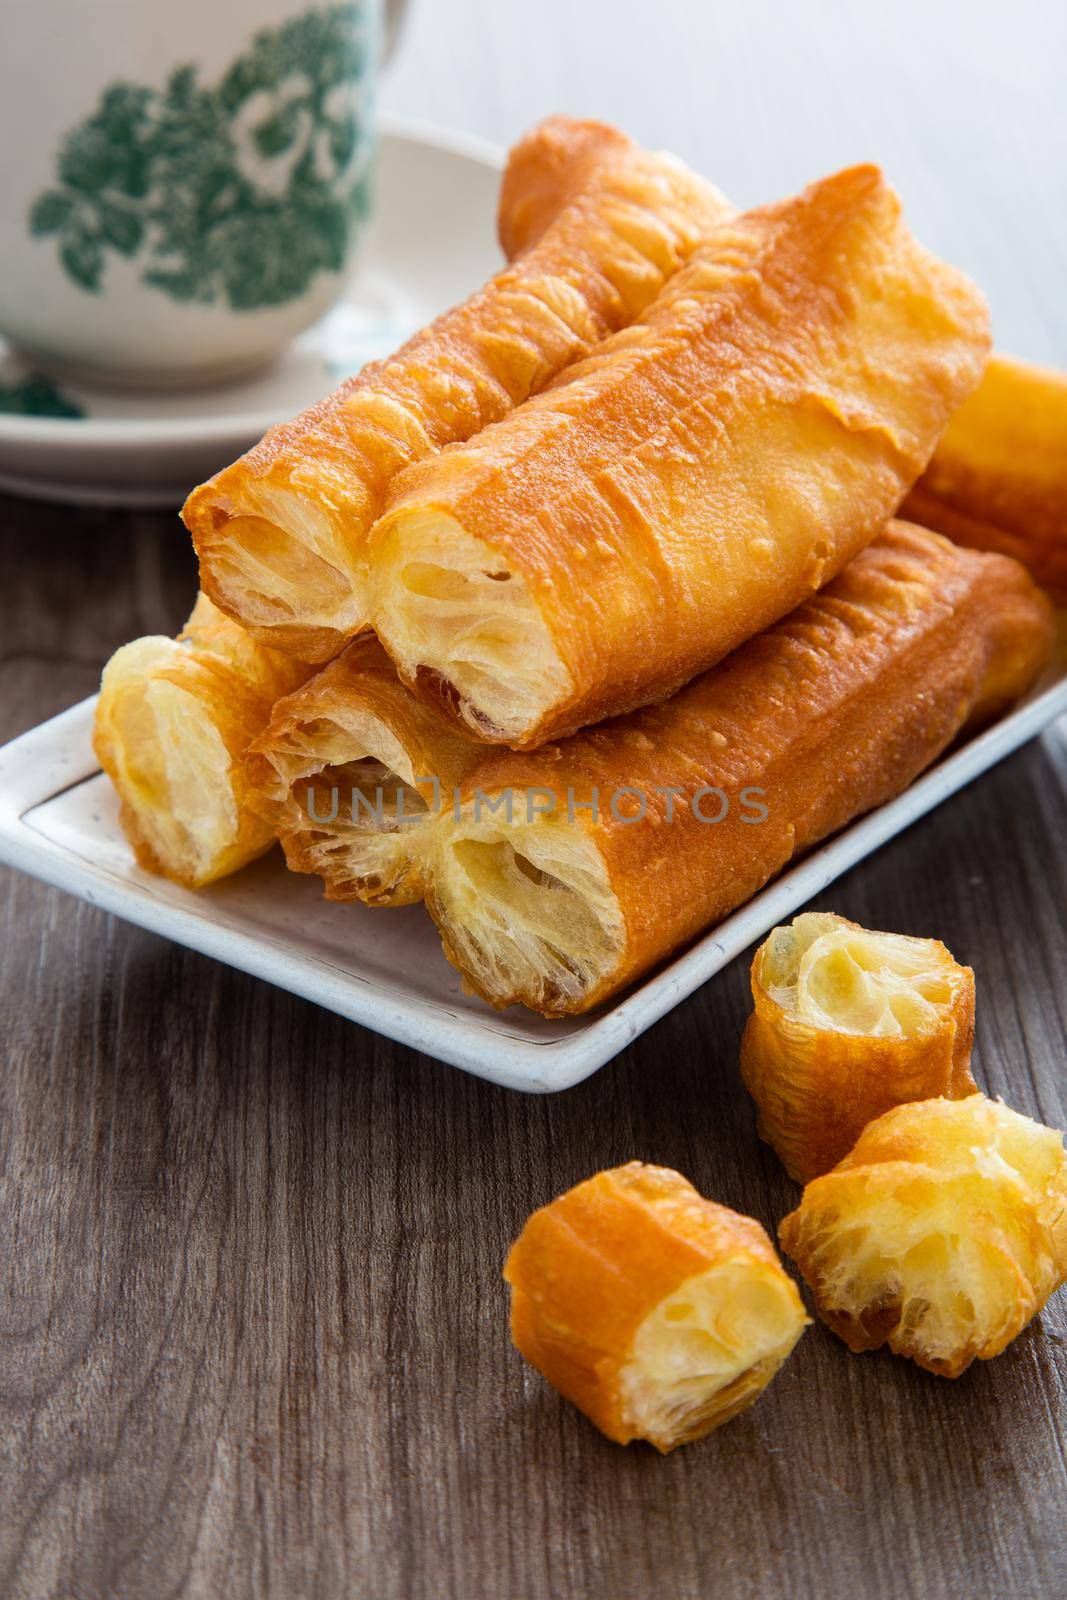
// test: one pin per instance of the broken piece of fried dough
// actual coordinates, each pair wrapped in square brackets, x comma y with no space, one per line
[941,1234]
[847,1024]
[660,1314]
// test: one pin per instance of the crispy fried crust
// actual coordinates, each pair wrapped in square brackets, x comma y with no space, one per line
[941,1234]
[172,723]
[828,714]
[847,1024]
[691,481]
[349,773]
[281,532]
[998,478]
[658,1313]
[547,170]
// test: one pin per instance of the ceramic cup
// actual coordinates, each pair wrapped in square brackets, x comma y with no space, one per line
[184,185]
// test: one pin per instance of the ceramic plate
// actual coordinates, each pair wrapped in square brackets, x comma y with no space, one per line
[58,821]
[125,448]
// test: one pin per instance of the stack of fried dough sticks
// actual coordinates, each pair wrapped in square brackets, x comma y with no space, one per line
[583,614]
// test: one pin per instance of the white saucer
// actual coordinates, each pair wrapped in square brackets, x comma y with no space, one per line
[431,243]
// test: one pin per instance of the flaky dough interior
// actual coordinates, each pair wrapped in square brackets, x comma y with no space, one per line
[354,813]
[831,974]
[454,614]
[703,1354]
[174,764]
[286,565]
[942,1232]
[526,909]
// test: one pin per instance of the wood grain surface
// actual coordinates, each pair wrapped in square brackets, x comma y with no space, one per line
[252,1327]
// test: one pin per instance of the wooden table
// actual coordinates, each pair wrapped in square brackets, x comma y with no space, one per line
[252,1328]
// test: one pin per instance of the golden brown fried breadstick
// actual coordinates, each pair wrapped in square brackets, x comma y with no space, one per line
[281,532]
[941,1234]
[173,721]
[660,1314]
[351,772]
[998,478]
[700,800]
[691,481]
[847,1024]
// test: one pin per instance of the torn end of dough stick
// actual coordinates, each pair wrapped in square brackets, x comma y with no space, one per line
[352,772]
[173,721]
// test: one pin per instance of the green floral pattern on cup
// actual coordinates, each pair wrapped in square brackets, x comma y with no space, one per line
[36,396]
[237,194]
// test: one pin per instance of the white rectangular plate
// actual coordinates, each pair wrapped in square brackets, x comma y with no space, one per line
[384,969]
